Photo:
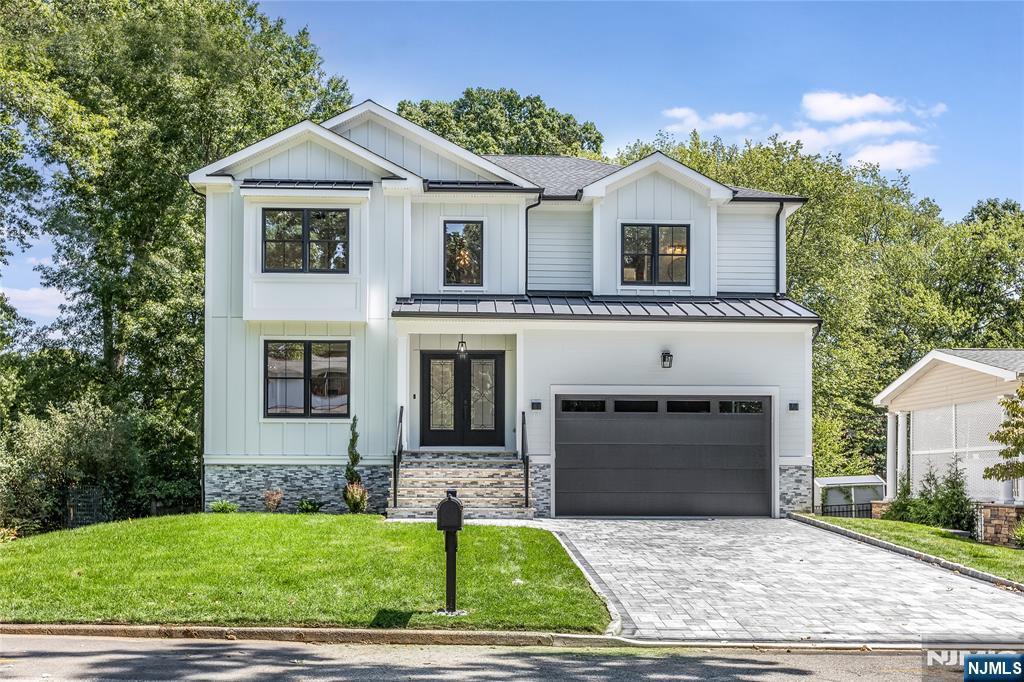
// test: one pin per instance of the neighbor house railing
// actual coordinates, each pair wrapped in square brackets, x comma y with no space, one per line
[850,511]
[524,453]
[397,459]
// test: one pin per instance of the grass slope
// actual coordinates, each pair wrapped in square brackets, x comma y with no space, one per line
[308,570]
[1002,561]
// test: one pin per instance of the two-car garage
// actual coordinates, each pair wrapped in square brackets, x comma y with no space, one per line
[657,455]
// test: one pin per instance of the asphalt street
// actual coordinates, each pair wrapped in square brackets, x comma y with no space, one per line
[75,658]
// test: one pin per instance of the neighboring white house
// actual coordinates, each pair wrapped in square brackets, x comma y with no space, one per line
[945,407]
[627,328]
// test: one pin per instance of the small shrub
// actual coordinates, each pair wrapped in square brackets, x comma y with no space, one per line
[223,507]
[309,506]
[8,535]
[357,497]
[351,473]
[901,508]
[1018,535]
[924,506]
[954,508]
[272,499]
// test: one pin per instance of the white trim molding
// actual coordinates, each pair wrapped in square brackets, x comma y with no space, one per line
[660,162]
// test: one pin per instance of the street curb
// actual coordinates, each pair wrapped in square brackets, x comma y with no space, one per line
[1005,583]
[459,637]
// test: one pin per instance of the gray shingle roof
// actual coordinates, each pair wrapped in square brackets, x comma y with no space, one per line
[586,306]
[563,176]
[558,175]
[1011,359]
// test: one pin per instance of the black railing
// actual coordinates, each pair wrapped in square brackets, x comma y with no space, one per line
[524,453]
[397,460]
[850,511]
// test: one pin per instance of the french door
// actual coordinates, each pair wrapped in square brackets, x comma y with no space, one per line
[462,400]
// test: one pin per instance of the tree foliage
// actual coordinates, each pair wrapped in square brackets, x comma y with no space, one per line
[1011,435]
[504,122]
[105,106]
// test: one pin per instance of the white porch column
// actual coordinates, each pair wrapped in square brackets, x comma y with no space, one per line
[1019,497]
[890,455]
[902,457]
[402,381]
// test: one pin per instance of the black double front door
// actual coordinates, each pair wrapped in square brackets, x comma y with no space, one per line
[462,398]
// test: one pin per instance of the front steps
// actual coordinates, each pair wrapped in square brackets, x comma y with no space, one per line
[490,484]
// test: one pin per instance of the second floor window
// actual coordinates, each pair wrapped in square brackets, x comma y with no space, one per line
[305,239]
[463,253]
[656,254]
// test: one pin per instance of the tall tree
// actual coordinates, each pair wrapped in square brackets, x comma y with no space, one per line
[118,100]
[504,122]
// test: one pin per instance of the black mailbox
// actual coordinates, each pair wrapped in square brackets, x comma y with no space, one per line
[449,512]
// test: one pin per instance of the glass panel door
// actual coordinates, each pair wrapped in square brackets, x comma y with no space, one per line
[481,395]
[462,399]
[442,394]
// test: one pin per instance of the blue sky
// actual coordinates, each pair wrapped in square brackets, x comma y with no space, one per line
[934,88]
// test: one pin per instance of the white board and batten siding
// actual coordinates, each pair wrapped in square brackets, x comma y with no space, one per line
[561,250]
[502,271]
[236,432]
[651,198]
[410,154]
[746,249]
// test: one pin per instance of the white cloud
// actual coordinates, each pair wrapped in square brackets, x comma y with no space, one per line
[819,139]
[933,111]
[35,302]
[902,155]
[688,119]
[32,260]
[839,106]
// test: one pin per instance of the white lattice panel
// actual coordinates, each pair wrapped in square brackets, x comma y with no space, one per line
[919,463]
[979,488]
[931,429]
[975,421]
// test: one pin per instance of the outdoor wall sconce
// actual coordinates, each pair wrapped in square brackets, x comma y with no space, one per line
[461,349]
[666,360]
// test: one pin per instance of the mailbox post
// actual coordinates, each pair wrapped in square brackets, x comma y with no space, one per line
[449,520]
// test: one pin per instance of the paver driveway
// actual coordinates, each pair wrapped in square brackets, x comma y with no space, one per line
[779,580]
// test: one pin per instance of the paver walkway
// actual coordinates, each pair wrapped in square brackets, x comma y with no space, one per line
[779,580]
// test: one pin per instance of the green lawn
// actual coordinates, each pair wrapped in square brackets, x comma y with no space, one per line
[1006,562]
[283,569]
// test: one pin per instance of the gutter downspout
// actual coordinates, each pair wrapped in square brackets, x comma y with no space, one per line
[526,229]
[778,249]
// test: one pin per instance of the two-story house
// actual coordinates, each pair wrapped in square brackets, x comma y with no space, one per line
[543,333]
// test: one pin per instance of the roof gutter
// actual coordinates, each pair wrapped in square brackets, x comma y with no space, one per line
[778,249]
[526,235]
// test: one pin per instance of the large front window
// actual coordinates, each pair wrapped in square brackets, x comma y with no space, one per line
[306,378]
[305,239]
[463,253]
[656,254]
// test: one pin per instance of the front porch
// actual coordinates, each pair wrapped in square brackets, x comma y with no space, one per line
[459,427]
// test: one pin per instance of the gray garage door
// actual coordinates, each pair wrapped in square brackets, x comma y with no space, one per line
[662,455]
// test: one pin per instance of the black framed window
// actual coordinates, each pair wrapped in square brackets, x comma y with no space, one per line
[306,378]
[464,253]
[740,407]
[655,254]
[305,239]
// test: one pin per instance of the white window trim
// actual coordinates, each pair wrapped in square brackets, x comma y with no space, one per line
[462,288]
[653,289]
[354,349]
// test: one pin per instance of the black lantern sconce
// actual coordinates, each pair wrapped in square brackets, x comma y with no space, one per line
[666,360]
[461,349]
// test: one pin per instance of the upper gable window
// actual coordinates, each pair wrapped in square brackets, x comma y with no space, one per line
[463,253]
[305,239]
[656,254]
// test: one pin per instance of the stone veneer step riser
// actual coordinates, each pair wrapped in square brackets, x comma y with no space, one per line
[429,513]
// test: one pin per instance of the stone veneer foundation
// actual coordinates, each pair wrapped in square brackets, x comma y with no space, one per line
[540,489]
[998,522]
[244,484]
[794,488]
